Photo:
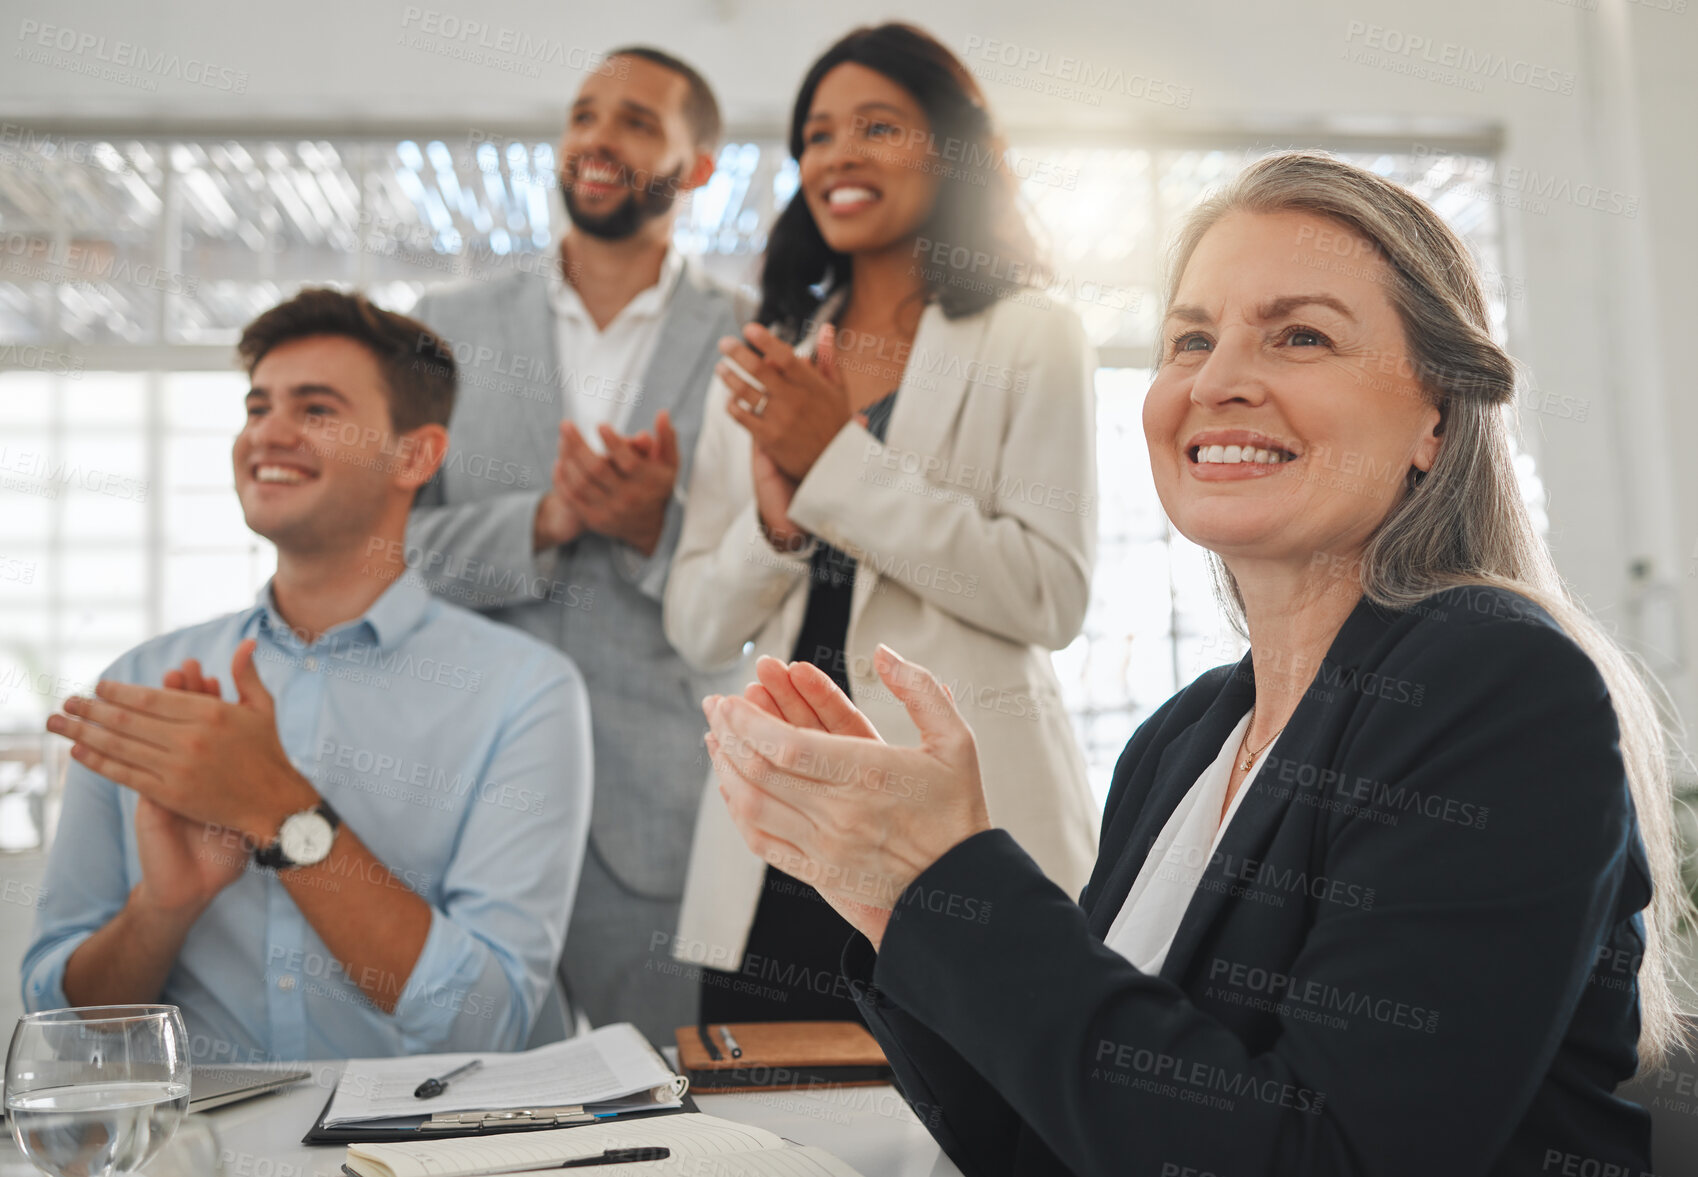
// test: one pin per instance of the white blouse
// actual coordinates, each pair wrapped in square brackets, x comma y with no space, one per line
[1143,931]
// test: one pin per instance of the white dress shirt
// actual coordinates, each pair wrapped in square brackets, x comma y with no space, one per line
[602,369]
[1143,930]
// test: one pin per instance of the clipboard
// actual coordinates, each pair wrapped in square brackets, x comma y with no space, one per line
[472,1120]
[471,1123]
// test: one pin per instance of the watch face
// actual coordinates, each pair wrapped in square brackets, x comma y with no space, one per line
[305,838]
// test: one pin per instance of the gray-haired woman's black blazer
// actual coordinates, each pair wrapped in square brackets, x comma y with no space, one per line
[1414,951]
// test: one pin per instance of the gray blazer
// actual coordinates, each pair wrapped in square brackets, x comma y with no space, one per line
[596,599]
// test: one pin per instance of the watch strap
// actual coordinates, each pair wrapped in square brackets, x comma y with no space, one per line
[272,857]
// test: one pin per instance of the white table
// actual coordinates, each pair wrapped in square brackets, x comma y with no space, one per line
[870,1128]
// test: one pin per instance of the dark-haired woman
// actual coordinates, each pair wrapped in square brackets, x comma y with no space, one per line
[901,450]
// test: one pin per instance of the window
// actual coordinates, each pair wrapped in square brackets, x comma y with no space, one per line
[127,267]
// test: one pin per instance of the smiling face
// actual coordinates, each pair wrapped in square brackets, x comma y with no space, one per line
[1285,415]
[319,466]
[628,152]
[868,170]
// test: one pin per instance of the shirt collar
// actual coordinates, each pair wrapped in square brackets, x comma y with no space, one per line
[385,623]
[563,296]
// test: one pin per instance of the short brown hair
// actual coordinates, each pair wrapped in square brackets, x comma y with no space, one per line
[701,108]
[417,365]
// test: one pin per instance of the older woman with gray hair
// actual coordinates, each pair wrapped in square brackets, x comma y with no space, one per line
[1391,895]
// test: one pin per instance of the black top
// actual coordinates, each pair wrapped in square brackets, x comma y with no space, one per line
[1415,950]
[790,961]
[825,625]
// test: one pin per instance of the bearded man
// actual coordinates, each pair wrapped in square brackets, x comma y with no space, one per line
[581,391]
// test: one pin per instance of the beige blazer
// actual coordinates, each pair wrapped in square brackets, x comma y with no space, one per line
[974,524]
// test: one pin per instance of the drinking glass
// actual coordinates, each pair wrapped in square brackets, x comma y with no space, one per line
[97,1091]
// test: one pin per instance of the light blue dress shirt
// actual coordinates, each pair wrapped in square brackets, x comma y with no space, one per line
[456,748]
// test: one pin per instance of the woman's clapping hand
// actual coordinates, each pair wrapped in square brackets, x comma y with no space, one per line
[817,793]
[796,407]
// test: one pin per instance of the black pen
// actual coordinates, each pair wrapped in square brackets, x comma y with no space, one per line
[707,1042]
[439,1084]
[613,1156]
[617,1156]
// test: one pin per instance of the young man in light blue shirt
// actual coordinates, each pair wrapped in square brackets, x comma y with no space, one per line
[369,842]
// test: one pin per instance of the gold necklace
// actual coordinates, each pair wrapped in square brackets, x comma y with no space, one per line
[1250,757]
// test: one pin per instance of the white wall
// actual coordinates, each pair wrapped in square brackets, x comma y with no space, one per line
[1607,296]
[1664,47]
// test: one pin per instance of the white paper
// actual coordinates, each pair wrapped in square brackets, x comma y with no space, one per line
[609,1063]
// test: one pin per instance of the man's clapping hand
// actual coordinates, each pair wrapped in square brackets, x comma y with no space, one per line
[210,761]
[184,863]
[621,493]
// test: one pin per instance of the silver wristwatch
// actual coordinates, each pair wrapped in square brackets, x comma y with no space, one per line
[303,839]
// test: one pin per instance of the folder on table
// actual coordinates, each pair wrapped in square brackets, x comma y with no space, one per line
[611,1072]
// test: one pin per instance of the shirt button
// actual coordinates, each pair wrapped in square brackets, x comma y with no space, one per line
[286,982]
[311,663]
